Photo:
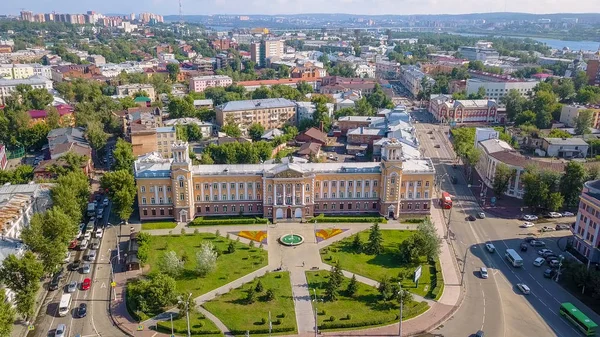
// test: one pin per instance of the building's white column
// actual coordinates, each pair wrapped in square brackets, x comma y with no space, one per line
[237,196]
[329,189]
[354,189]
[164,194]
[406,185]
[210,188]
[337,190]
[362,190]
[294,194]
[228,190]
[283,192]
[321,190]
[201,191]
[303,190]
[246,191]
[415,190]
[371,183]
[220,196]
[156,194]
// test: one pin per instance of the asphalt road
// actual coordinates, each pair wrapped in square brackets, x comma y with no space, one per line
[97,321]
[495,305]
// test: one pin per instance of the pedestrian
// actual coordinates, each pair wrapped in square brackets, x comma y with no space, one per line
[302,263]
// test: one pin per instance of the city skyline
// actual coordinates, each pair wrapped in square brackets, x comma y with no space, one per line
[269,7]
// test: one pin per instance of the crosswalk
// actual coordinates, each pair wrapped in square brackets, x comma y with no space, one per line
[464,198]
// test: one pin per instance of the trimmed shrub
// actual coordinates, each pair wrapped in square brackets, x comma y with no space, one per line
[262,331]
[204,221]
[348,219]
[331,318]
[165,327]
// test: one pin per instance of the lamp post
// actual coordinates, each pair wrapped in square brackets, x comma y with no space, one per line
[400,293]
[186,304]
[315,300]
[560,261]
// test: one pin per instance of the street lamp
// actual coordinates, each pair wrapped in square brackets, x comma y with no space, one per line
[400,293]
[186,303]
[315,300]
[440,180]
[560,261]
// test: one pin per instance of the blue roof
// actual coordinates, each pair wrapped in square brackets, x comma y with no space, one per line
[165,129]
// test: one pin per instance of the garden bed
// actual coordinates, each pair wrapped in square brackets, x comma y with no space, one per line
[158,225]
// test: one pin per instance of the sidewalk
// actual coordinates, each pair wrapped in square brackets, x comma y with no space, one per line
[505,207]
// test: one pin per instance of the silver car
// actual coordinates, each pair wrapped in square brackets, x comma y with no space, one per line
[86,268]
[72,286]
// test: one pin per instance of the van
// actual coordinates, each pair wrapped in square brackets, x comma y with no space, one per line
[83,244]
[65,305]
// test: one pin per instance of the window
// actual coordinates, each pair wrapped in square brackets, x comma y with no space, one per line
[410,183]
[241,196]
[374,205]
[233,197]
[374,183]
[325,184]
[409,206]
[342,184]
[152,201]
[392,191]
[205,186]
[250,208]
[206,197]
[170,212]
[198,198]
[269,188]
[359,183]
[162,211]
[418,206]
[153,212]
[324,206]
[215,186]
[324,195]
[393,180]
[269,201]
[374,194]
[215,197]
[180,182]
[426,195]
[358,194]
[367,183]
[151,189]
[419,183]
[349,194]
[197,187]
[307,188]
[207,209]
[333,206]
[418,195]
[410,195]
[143,201]
[241,185]
[168,188]
[401,195]
[143,189]
[341,194]
[257,186]
[318,184]
[270,212]
[427,183]
[350,183]
[241,208]
[334,184]
[223,185]
[216,209]
[225,209]
[366,205]
[332,195]
[366,194]
[223,197]
[145,212]
[316,206]
[307,200]
[181,196]
[349,206]
[169,200]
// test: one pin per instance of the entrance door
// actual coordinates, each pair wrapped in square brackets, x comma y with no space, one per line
[298,213]
[289,213]
[183,216]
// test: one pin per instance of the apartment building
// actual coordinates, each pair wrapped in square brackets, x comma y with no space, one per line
[307,72]
[7,86]
[412,77]
[586,232]
[593,72]
[290,82]
[150,140]
[199,84]
[569,113]
[500,88]
[175,189]
[132,89]
[261,51]
[271,113]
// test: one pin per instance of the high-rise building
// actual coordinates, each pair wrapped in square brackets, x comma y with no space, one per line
[27,16]
[261,51]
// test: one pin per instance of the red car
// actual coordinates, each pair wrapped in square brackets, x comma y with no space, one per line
[86,284]
[73,244]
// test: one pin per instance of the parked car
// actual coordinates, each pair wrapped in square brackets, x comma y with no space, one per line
[529,239]
[544,251]
[67,256]
[567,214]
[471,218]
[562,227]
[82,310]
[554,215]
[524,288]
[537,243]
[529,217]
[83,244]
[550,258]
[87,236]
[86,268]
[437,146]
[75,265]
[527,224]
[554,263]
[523,246]
[481,215]
[490,247]
[547,229]
[99,233]
[549,273]
[91,255]
[105,202]
[86,284]
[73,244]
[53,285]
[479,333]
[72,286]
[547,253]
[60,330]
[95,244]
[483,272]
[538,262]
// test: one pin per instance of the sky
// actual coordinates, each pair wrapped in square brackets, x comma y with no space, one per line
[373,7]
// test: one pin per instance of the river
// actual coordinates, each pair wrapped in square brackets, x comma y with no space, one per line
[552,43]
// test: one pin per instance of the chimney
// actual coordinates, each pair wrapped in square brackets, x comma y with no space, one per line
[321,126]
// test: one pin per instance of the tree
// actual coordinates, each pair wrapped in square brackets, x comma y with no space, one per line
[583,122]
[385,289]
[173,70]
[96,135]
[232,130]
[154,293]
[170,264]
[565,89]
[7,315]
[502,178]
[476,65]
[357,244]
[38,99]
[206,259]
[256,131]
[52,118]
[352,287]
[121,189]
[554,201]
[571,182]
[123,156]
[428,240]
[269,295]
[558,133]
[335,281]
[181,107]
[526,117]
[514,103]
[259,287]
[580,80]
[374,245]
[22,275]
[250,295]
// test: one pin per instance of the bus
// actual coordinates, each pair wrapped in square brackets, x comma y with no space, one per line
[65,305]
[514,258]
[578,318]
[446,200]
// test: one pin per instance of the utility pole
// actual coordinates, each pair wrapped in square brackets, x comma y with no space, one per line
[400,293]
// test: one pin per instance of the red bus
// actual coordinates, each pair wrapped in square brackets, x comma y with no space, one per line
[446,200]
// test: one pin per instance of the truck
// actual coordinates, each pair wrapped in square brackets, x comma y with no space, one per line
[91,209]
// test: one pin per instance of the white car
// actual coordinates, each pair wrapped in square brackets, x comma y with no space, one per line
[86,268]
[530,217]
[548,229]
[99,233]
[105,202]
[483,272]
[554,215]
[490,247]
[567,214]
[544,251]
[527,224]
[87,236]
[539,261]
[524,288]
[83,244]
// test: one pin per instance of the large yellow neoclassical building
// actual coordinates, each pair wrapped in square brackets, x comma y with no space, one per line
[175,189]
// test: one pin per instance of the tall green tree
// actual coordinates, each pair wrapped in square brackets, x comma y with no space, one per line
[571,182]
[121,189]
[502,178]
[7,315]
[256,131]
[583,122]
[385,289]
[95,135]
[173,70]
[374,245]
[428,239]
[514,103]
[123,156]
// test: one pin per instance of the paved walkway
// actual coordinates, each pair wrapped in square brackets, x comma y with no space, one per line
[297,260]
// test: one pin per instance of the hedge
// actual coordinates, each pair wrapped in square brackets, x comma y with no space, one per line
[228,221]
[347,219]
[262,331]
[166,328]
[438,284]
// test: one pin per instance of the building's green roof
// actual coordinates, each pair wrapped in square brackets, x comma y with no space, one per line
[142,99]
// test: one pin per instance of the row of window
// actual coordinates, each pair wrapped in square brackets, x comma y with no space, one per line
[349,206]
[412,183]
[348,195]
[224,197]
[343,183]
[160,201]
[231,186]
[225,208]
[160,189]
[161,211]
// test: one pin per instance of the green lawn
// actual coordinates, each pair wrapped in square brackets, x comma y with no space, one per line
[199,325]
[377,266]
[158,225]
[239,315]
[365,308]
[229,266]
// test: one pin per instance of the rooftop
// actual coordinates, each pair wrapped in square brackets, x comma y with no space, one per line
[495,145]
[33,80]
[268,103]
[566,141]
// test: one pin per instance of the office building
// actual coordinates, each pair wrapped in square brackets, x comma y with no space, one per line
[586,231]
[500,88]
[175,189]
[271,113]
[479,54]
[199,84]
